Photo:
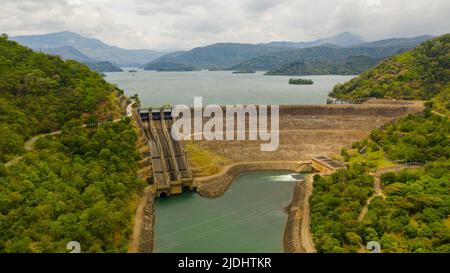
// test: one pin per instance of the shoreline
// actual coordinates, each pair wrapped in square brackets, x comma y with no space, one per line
[297,234]
[215,186]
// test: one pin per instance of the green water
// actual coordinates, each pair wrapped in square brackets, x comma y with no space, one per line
[250,217]
[222,87]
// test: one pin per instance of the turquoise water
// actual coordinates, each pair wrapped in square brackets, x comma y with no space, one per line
[250,217]
[222,87]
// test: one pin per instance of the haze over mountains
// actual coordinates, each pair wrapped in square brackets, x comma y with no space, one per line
[340,52]
[345,53]
[344,39]
[70,45]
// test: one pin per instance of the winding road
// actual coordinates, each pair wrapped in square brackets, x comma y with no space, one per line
[29,144]
[377,185]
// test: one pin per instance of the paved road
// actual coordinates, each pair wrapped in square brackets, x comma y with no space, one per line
[29,144]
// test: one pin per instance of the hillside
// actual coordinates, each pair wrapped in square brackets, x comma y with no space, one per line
[344,39]
[422,73]
[67,53]
[77,185]
[320,54]
[408,210]
[104,67]
[213,56]
[70,53]
[352,65]
[168,66]
[225,55]
[39,93]
[397,42]
[94,49]
[332,58]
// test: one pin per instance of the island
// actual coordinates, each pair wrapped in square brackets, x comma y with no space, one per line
[244,71]
[301,81]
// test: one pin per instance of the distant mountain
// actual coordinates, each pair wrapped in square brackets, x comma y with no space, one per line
[104,67]
[167,66]
[270,56]
[214,56]
[225,55]
[335,56]
[352,65]
[397,42]
[94,49]
[67,53]
[344,39]
[70,53]
[319,54]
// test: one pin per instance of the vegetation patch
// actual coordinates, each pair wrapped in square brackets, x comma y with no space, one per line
[202,161]
[75,187]
[301,81]
[412,214]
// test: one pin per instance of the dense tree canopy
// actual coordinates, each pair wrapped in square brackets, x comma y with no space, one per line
[39,93]
[421,73]
[79,185]
[75,187]
[413,215]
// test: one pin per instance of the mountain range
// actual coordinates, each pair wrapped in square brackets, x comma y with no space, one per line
[338,51]
[344,39]
[71,45]
[345,53]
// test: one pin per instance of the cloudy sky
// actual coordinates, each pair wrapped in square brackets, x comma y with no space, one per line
[169,24]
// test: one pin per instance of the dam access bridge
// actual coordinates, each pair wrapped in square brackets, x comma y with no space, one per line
[170,170]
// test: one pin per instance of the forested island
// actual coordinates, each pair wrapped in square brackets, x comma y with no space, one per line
[411,214]
[79,184]
[301,81]
[244,71]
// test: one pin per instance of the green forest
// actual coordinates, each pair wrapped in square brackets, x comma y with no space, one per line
[301,81]
[79,185]
[352,65]
[412,215]
[422,74]
[39,93]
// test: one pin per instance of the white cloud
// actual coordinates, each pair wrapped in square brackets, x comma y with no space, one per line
[189,23]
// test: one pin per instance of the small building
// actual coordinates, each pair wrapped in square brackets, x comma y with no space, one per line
[326,165]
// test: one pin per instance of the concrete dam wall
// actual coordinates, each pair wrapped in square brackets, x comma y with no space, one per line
[310,130]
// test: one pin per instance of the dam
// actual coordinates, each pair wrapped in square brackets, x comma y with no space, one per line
[305,132]
[309,134]
[170,171]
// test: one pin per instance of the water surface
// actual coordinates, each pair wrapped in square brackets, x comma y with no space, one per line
[222,87]
[250,217]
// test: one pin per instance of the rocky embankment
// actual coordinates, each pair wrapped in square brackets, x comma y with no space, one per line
[216,185]
[297,234]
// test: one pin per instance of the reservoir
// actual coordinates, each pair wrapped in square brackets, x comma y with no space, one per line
[222,87]
[249,217]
